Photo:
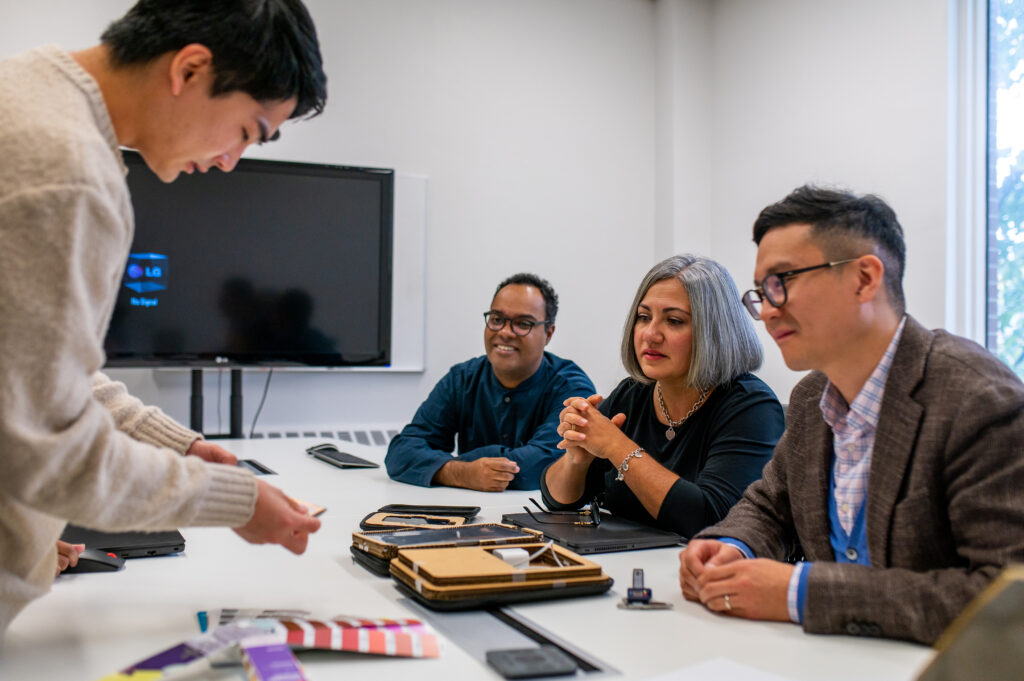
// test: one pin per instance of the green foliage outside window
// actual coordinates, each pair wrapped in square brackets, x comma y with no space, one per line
[1006,179]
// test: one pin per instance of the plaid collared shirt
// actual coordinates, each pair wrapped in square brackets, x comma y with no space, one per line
[853,435]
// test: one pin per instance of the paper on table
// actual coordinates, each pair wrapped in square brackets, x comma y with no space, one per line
[313,509]
[719,669]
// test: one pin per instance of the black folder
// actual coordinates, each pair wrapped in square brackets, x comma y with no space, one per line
[613,534]
[127,544]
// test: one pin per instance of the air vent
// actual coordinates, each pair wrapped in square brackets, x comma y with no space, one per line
[373,436]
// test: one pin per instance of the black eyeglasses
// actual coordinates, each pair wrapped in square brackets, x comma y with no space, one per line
[587,517]
[521,326]
[773,288]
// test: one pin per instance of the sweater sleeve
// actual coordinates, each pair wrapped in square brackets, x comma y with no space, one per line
[144,423]
[63,455]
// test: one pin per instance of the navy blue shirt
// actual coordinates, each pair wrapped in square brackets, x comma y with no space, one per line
[716,453]
[489,420]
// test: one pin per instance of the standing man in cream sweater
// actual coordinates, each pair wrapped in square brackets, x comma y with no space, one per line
[189,84]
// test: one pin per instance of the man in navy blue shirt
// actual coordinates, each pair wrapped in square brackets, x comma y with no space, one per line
[503,407]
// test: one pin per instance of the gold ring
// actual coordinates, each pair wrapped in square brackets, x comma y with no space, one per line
[728,605]
[572,426]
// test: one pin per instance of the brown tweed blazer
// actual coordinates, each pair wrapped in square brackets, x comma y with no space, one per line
[945,504]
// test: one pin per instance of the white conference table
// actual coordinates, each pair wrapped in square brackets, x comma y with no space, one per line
[91,625]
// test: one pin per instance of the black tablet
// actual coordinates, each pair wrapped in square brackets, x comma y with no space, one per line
[328,453]
[467,512]
[613,534]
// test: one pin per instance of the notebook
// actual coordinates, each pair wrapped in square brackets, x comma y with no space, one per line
[613,534]
[127,544]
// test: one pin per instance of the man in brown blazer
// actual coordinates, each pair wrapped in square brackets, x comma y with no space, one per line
[899,482]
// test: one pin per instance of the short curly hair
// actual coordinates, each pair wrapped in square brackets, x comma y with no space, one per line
[542,285]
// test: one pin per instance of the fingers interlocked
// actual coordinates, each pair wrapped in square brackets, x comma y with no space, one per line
[571,420]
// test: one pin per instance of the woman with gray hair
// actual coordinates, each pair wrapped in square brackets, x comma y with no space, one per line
[676,443]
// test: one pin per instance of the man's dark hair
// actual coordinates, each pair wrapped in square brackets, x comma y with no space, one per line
[840,224]
[267,49]
[542,285]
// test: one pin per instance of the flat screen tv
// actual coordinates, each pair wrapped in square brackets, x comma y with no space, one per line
[273,264]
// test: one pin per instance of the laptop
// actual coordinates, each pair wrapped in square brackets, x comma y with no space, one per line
[613,534]
[127,544]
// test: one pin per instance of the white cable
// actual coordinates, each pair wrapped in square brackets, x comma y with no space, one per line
[554,554]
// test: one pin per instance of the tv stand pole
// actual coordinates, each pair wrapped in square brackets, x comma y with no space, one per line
[236,404]
[196,403]
[196,415]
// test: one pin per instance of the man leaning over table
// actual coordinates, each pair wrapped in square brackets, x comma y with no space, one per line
[900,474]
[503,407]
[169,81]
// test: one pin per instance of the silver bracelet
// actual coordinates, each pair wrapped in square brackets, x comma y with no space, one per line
[624,465]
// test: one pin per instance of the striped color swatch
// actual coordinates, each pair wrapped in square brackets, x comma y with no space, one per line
[391,637]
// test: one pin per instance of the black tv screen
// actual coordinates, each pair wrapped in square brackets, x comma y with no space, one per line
[274,264]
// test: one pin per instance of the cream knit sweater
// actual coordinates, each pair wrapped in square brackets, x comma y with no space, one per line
[73,444]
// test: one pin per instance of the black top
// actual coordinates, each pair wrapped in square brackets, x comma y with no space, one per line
[716,453]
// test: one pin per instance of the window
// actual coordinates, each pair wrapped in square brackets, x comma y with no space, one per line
[1005,183]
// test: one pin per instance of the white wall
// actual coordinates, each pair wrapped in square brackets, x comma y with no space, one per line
[833,92]
[584,140]
[685,131]
[533,121]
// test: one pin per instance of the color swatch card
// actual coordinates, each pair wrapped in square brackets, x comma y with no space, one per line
[187,653]
[266,660]
[218,618]
[402,637]
[265,644]
[390,637]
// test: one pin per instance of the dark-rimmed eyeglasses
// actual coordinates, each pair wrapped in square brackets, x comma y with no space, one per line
[521,326]
[773,288]
[590,516]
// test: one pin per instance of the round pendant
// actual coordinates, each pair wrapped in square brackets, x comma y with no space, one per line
[670,433]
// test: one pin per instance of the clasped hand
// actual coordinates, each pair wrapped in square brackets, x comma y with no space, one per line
[719,576]
[584,429]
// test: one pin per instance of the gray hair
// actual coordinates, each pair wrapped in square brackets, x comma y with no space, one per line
[724,342]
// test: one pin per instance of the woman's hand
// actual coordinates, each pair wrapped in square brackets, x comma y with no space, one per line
[583,426]
[566,478]
[569,419]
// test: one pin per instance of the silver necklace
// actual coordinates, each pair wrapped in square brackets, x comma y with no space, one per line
[671,432]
